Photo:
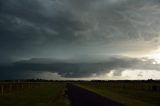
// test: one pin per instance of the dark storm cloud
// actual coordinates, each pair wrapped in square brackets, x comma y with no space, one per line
[80,30]
[68,69]
[31,27]
[25,26]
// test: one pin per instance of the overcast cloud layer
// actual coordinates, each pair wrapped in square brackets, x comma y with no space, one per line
[78,35]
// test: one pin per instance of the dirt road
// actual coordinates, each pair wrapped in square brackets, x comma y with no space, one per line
[83,97]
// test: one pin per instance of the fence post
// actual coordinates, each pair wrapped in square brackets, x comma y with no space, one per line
[2,90]
[10,88]
[22,86]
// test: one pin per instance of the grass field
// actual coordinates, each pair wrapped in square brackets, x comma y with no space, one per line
[134,93]
[126,94]
[44,95]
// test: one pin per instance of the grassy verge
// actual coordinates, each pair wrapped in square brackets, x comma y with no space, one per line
[127,97]
[45,95]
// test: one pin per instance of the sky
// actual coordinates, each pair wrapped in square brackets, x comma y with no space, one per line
[80,39]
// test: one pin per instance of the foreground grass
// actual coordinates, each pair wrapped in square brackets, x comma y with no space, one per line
[45,95]
[126,97]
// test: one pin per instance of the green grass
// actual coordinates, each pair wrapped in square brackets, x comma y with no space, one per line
[45,95]
[128,97]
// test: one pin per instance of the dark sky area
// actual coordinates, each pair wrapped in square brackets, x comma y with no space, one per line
[79,39]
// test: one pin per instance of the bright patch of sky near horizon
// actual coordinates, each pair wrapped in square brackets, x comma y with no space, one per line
[125,75]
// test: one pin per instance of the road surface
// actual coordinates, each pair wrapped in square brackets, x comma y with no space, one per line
[83,97]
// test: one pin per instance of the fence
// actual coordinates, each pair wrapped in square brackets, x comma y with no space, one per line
[6,87]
